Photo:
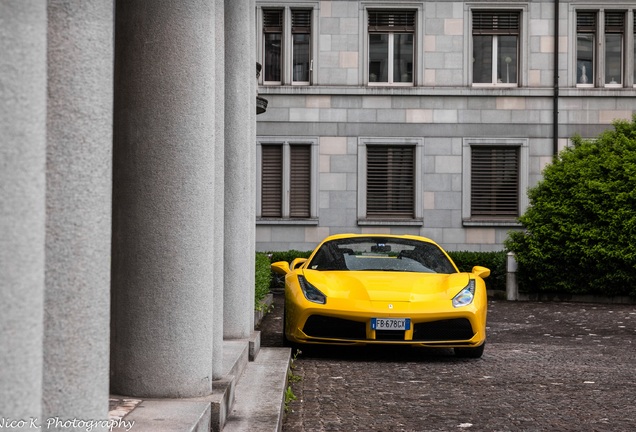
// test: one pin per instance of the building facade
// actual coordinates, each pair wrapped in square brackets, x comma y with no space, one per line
[427,117]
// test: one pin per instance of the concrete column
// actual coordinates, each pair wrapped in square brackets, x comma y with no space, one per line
[78,199]
[240,218]
[163,199]
[252,141]
[22,205]
[219,185]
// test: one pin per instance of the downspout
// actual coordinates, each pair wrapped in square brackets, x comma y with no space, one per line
[555,100]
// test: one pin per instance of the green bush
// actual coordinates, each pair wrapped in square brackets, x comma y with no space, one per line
[580,230]
[263,276]
[495,261]
[278,281]
[288,255]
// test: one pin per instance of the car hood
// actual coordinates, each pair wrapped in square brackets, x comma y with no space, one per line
[386,286]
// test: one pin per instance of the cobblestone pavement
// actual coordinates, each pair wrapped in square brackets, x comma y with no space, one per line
[547,367]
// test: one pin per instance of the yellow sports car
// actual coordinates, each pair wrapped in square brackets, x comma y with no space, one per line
[358,289]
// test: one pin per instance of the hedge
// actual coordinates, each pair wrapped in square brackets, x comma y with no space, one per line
[263,276]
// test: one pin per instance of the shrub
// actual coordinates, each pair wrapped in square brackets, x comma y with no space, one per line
[288,255]
[580,230]
[263,276]
[495,261]
[278,281]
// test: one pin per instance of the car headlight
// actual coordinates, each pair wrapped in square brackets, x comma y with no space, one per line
[312,293]
[465,296]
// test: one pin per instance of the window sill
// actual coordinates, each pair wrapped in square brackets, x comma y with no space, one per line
[491,223]
[266,221]
[390,222]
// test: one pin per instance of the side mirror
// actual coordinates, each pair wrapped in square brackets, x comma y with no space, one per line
[297,263]
[482,272]
[280,267]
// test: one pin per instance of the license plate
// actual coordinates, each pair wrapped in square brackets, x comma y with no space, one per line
[390,324]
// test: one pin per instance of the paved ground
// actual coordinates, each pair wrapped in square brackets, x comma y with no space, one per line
[547,367]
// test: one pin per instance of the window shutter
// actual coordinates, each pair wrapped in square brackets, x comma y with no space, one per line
[301,21]
[300,181]
[496,22]
[586,22]
[494,181]
[383,21]
[390,181]
[614,22]
[272,181]
[272,21]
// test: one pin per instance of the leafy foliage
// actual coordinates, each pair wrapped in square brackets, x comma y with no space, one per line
[263,276]
[580,230]
[495,261]
[289,255]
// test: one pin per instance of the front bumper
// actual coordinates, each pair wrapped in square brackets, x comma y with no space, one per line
[432,325]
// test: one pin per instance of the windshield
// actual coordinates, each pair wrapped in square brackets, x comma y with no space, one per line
[381,254]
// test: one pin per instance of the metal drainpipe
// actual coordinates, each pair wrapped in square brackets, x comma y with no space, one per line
[555,101]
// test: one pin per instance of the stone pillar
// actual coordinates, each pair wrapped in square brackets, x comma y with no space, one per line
[219,185]
[78,200]
[240,220]
[22,205]
[252,143]
[163,199]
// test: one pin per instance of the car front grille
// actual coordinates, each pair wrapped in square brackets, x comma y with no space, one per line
[319,326]
[336,328]
[443,330]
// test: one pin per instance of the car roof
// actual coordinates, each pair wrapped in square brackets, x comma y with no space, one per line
[403,236]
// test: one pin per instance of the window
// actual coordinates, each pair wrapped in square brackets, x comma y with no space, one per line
[494,190]
[585,42]
[287,46]
[495,181]
[496,47]
[614,30]
[287,179]
[391,37]
[600,53]
[389,181]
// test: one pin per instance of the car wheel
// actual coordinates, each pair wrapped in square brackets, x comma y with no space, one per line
[470,352]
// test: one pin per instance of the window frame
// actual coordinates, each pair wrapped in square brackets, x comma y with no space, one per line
[417,72]
[523,200]
[287,42]
[363,218]
[521,46]
[628,40]
[286,144]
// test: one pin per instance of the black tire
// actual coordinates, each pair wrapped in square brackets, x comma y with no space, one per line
[474,353]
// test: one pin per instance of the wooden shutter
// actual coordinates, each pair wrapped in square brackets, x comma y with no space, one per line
[496,22]
[272,181]
[391,21]
[300,181]
[614,22]
[272,21]
[494,181]
[586,22]
[390,181]
[301,21]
